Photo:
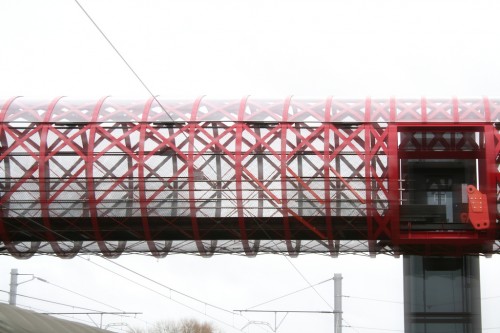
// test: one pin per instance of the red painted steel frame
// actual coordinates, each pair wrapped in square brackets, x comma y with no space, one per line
[230,175]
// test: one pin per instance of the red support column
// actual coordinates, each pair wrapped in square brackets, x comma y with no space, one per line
[490,182]
[372,241]
[4,156]
[193,176]
[293,252]
[4,234]
[327,180]
[44,187]
[394,196]
[238,164]
[142,181]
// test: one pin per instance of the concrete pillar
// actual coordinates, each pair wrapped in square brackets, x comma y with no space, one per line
[13,286]
[337,280]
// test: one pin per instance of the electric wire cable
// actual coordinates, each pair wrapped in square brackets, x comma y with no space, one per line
[54,302]
[295,267]
[84,296]
[171,289]
[174,290]
[289,294]
[165,296]
[167,287]
[348,325]
[39,310]
[118,53]
[32,308]
[309,283]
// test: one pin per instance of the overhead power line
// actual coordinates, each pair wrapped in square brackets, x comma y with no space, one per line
[288,294]
[86,297]
[86,322]
[170,297]
[115,49]
[169,288]
[54,302]
[65,289]
[309,283]
[349,325]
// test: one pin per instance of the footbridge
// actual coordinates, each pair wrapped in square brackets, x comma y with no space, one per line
[396,176]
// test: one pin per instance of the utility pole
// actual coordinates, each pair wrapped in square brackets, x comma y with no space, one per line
[337,280]
[14,283]
[13,286]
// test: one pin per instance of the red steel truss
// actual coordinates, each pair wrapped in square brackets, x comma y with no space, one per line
[233,176]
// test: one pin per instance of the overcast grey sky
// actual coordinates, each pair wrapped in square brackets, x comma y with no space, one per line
[264,48]
[224,48]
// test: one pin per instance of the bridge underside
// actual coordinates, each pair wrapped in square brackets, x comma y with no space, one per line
[69,249]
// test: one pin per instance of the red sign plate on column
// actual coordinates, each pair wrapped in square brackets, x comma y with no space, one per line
[478,208]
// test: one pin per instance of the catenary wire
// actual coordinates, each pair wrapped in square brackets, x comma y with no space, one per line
[165,296]
[178,292]
[348,325]
[84,296]
[81,295]
[289,294]
[33,308]
[53,302]
[118,52]
[307,281]
[295,267]
[167,287]
[97,312]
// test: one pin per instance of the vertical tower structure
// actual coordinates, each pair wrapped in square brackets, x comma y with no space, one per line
[442,294]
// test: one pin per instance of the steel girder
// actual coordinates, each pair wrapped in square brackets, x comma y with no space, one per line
[238,176]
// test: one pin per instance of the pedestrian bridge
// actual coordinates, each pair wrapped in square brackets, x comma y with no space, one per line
[248,176]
